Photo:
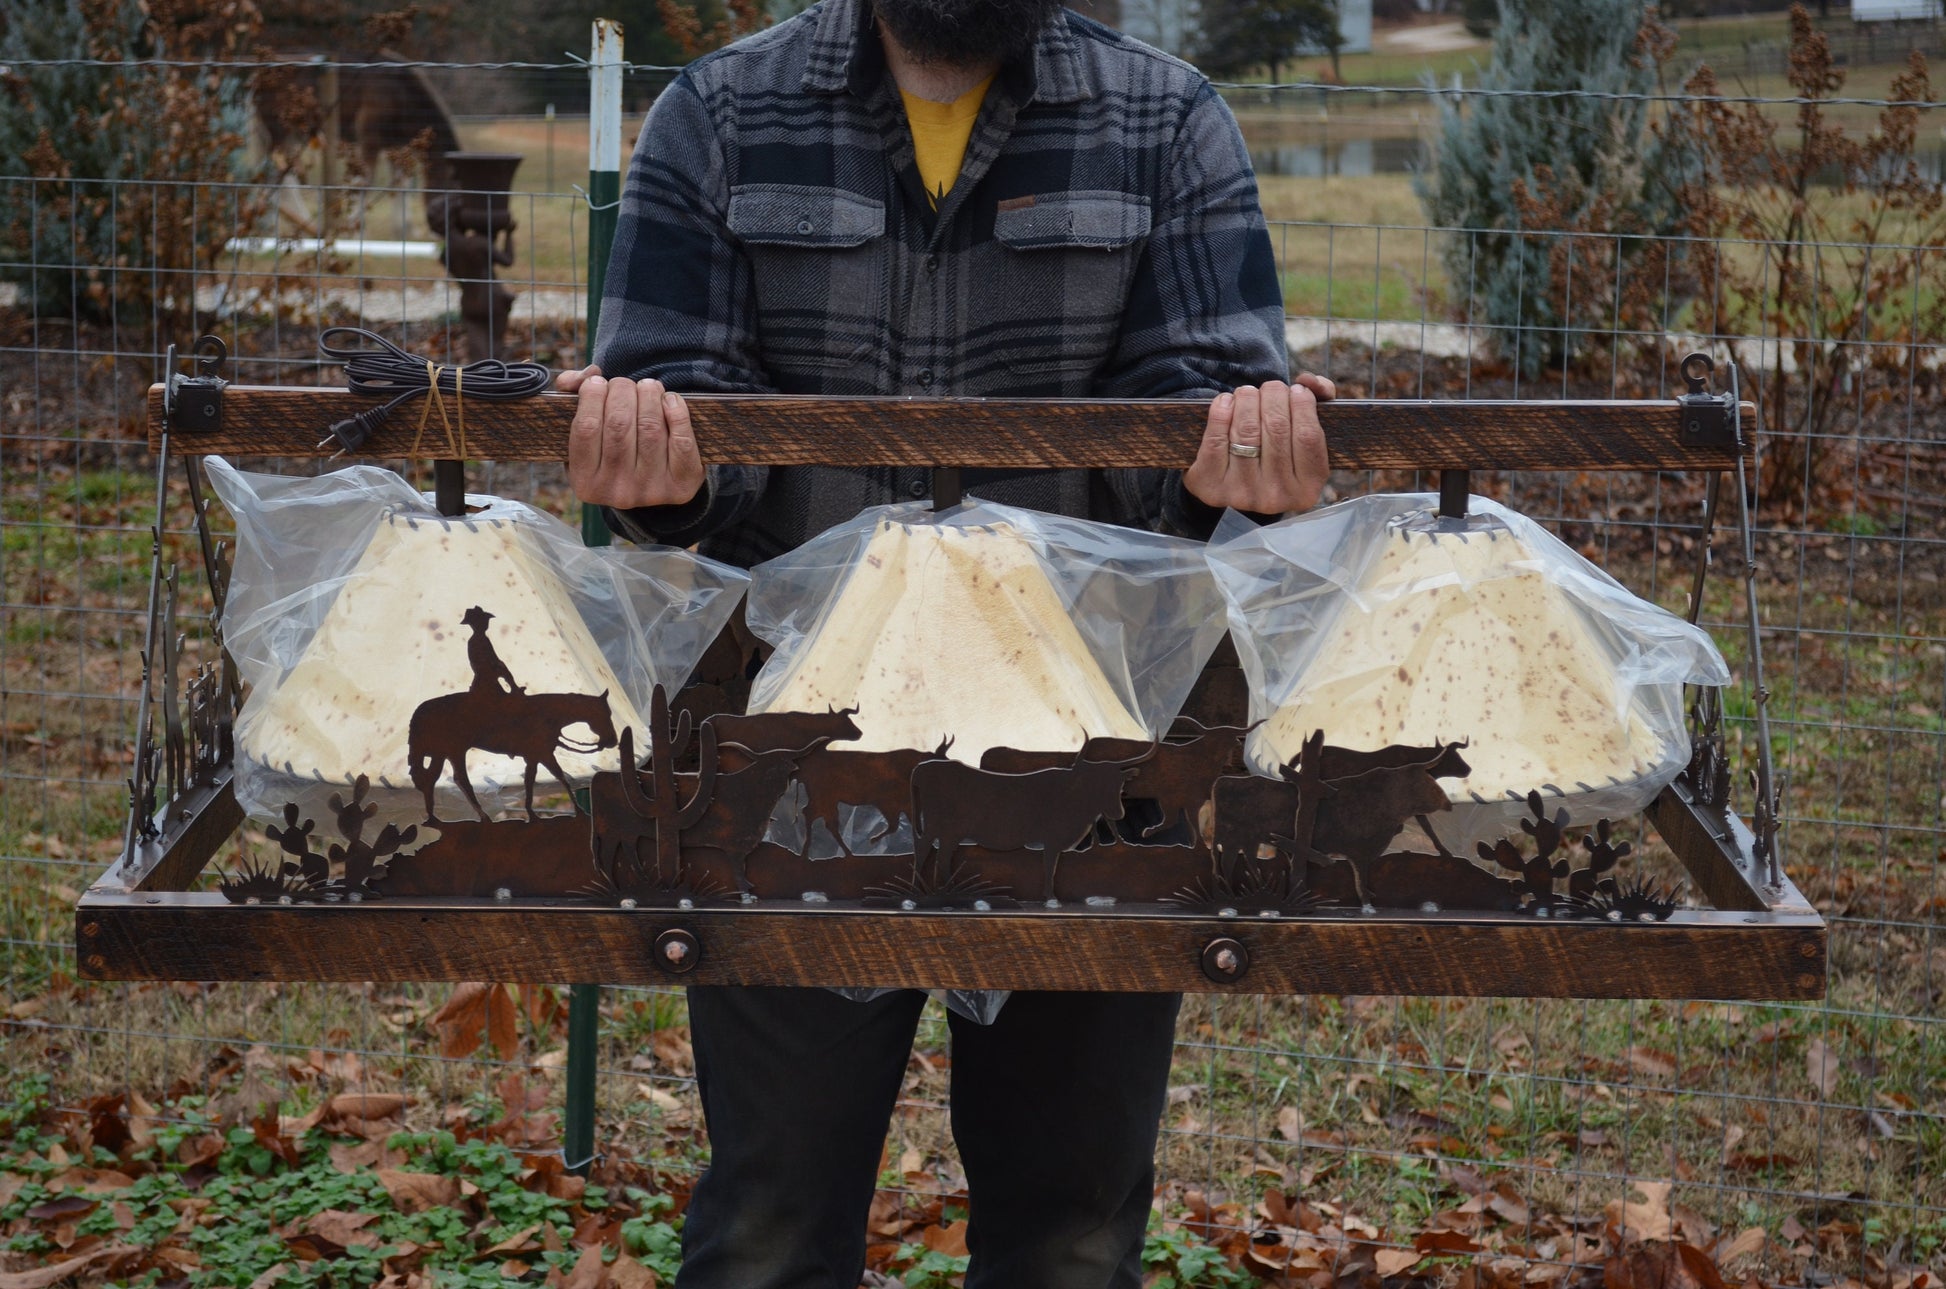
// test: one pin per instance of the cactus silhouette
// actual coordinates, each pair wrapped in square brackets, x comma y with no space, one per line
[664,803]
[295,840]
[1539,873]
[358,856]
[1603,854]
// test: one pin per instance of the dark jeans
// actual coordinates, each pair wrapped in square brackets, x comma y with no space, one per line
[1055,1110]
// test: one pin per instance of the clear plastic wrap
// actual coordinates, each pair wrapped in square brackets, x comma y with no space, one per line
[1380,622]
[351,601]
[986,625]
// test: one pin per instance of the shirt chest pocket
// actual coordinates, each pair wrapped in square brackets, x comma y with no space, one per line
[1061,268]
[817,256]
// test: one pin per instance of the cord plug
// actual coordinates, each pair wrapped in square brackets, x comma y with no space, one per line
[350,434]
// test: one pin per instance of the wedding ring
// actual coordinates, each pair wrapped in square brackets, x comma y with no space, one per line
[1245,450]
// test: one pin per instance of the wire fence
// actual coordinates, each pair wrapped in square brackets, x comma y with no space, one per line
[1822,1125]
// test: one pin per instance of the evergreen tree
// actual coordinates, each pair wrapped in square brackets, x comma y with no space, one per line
[1241,34]
[1510,169]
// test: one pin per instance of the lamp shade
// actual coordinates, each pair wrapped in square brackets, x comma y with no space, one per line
[1455,632]
[407,626]
[944,631]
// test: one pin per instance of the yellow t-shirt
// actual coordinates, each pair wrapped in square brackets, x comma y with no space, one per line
[939,135]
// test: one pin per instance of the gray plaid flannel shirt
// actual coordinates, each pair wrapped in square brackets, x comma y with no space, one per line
[1103,239]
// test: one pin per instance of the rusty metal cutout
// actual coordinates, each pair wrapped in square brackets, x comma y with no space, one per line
[304,875]
[693,819]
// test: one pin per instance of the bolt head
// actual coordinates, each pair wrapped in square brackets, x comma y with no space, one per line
[1226,960]
[675,950]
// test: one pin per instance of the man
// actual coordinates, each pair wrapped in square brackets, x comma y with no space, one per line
[934,197]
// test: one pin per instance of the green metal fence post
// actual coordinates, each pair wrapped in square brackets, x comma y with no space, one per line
[604,194]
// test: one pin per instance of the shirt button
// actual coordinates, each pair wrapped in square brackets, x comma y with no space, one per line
[804,227]
[917,488]
[925,376]
[932,264]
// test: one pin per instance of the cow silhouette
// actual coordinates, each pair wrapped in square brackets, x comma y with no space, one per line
[1050,810]
[833,777]
[1359,801]
[739,811]
[1177,773]
[781,731]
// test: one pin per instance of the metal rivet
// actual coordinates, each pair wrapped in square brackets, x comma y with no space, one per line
[677,951]
[685,903]
[628,904]
[805,227]
[96,962]
[908,905]
[91,929]
[1225,960]
[503,893]
[1808,949]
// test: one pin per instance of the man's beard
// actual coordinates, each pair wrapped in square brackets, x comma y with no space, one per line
[965,32]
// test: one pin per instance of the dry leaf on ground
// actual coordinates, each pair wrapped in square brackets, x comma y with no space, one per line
[417,1192]
[1646,1220]
[343,1227]
[48,1276]
[1821,1067]
[588,1271]
[627,1273]
[1393,1262]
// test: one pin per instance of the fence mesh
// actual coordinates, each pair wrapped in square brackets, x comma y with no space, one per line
[1821,1124]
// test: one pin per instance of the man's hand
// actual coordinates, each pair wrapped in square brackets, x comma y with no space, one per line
[631,444]
[1264,449]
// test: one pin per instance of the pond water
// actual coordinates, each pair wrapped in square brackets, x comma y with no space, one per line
[1355,158]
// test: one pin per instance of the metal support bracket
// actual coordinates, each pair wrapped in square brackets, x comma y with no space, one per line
[1706,418]
[195,403]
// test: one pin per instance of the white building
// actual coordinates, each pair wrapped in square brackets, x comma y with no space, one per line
[1895,10]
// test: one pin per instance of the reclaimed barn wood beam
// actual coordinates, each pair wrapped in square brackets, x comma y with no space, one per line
[1363,434]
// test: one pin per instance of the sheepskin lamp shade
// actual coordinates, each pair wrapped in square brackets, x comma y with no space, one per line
[955,632]
[1459,634]
[397,634]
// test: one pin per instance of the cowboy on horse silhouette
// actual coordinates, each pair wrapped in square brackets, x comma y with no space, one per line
[494,714]
[488,671]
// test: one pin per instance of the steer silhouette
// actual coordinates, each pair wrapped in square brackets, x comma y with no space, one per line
[835,776]
[739,811]
[1176,773]
[780,731]
[1049,810]
[1365,798]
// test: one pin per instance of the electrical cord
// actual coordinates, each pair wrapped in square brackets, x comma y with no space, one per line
[376,368]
